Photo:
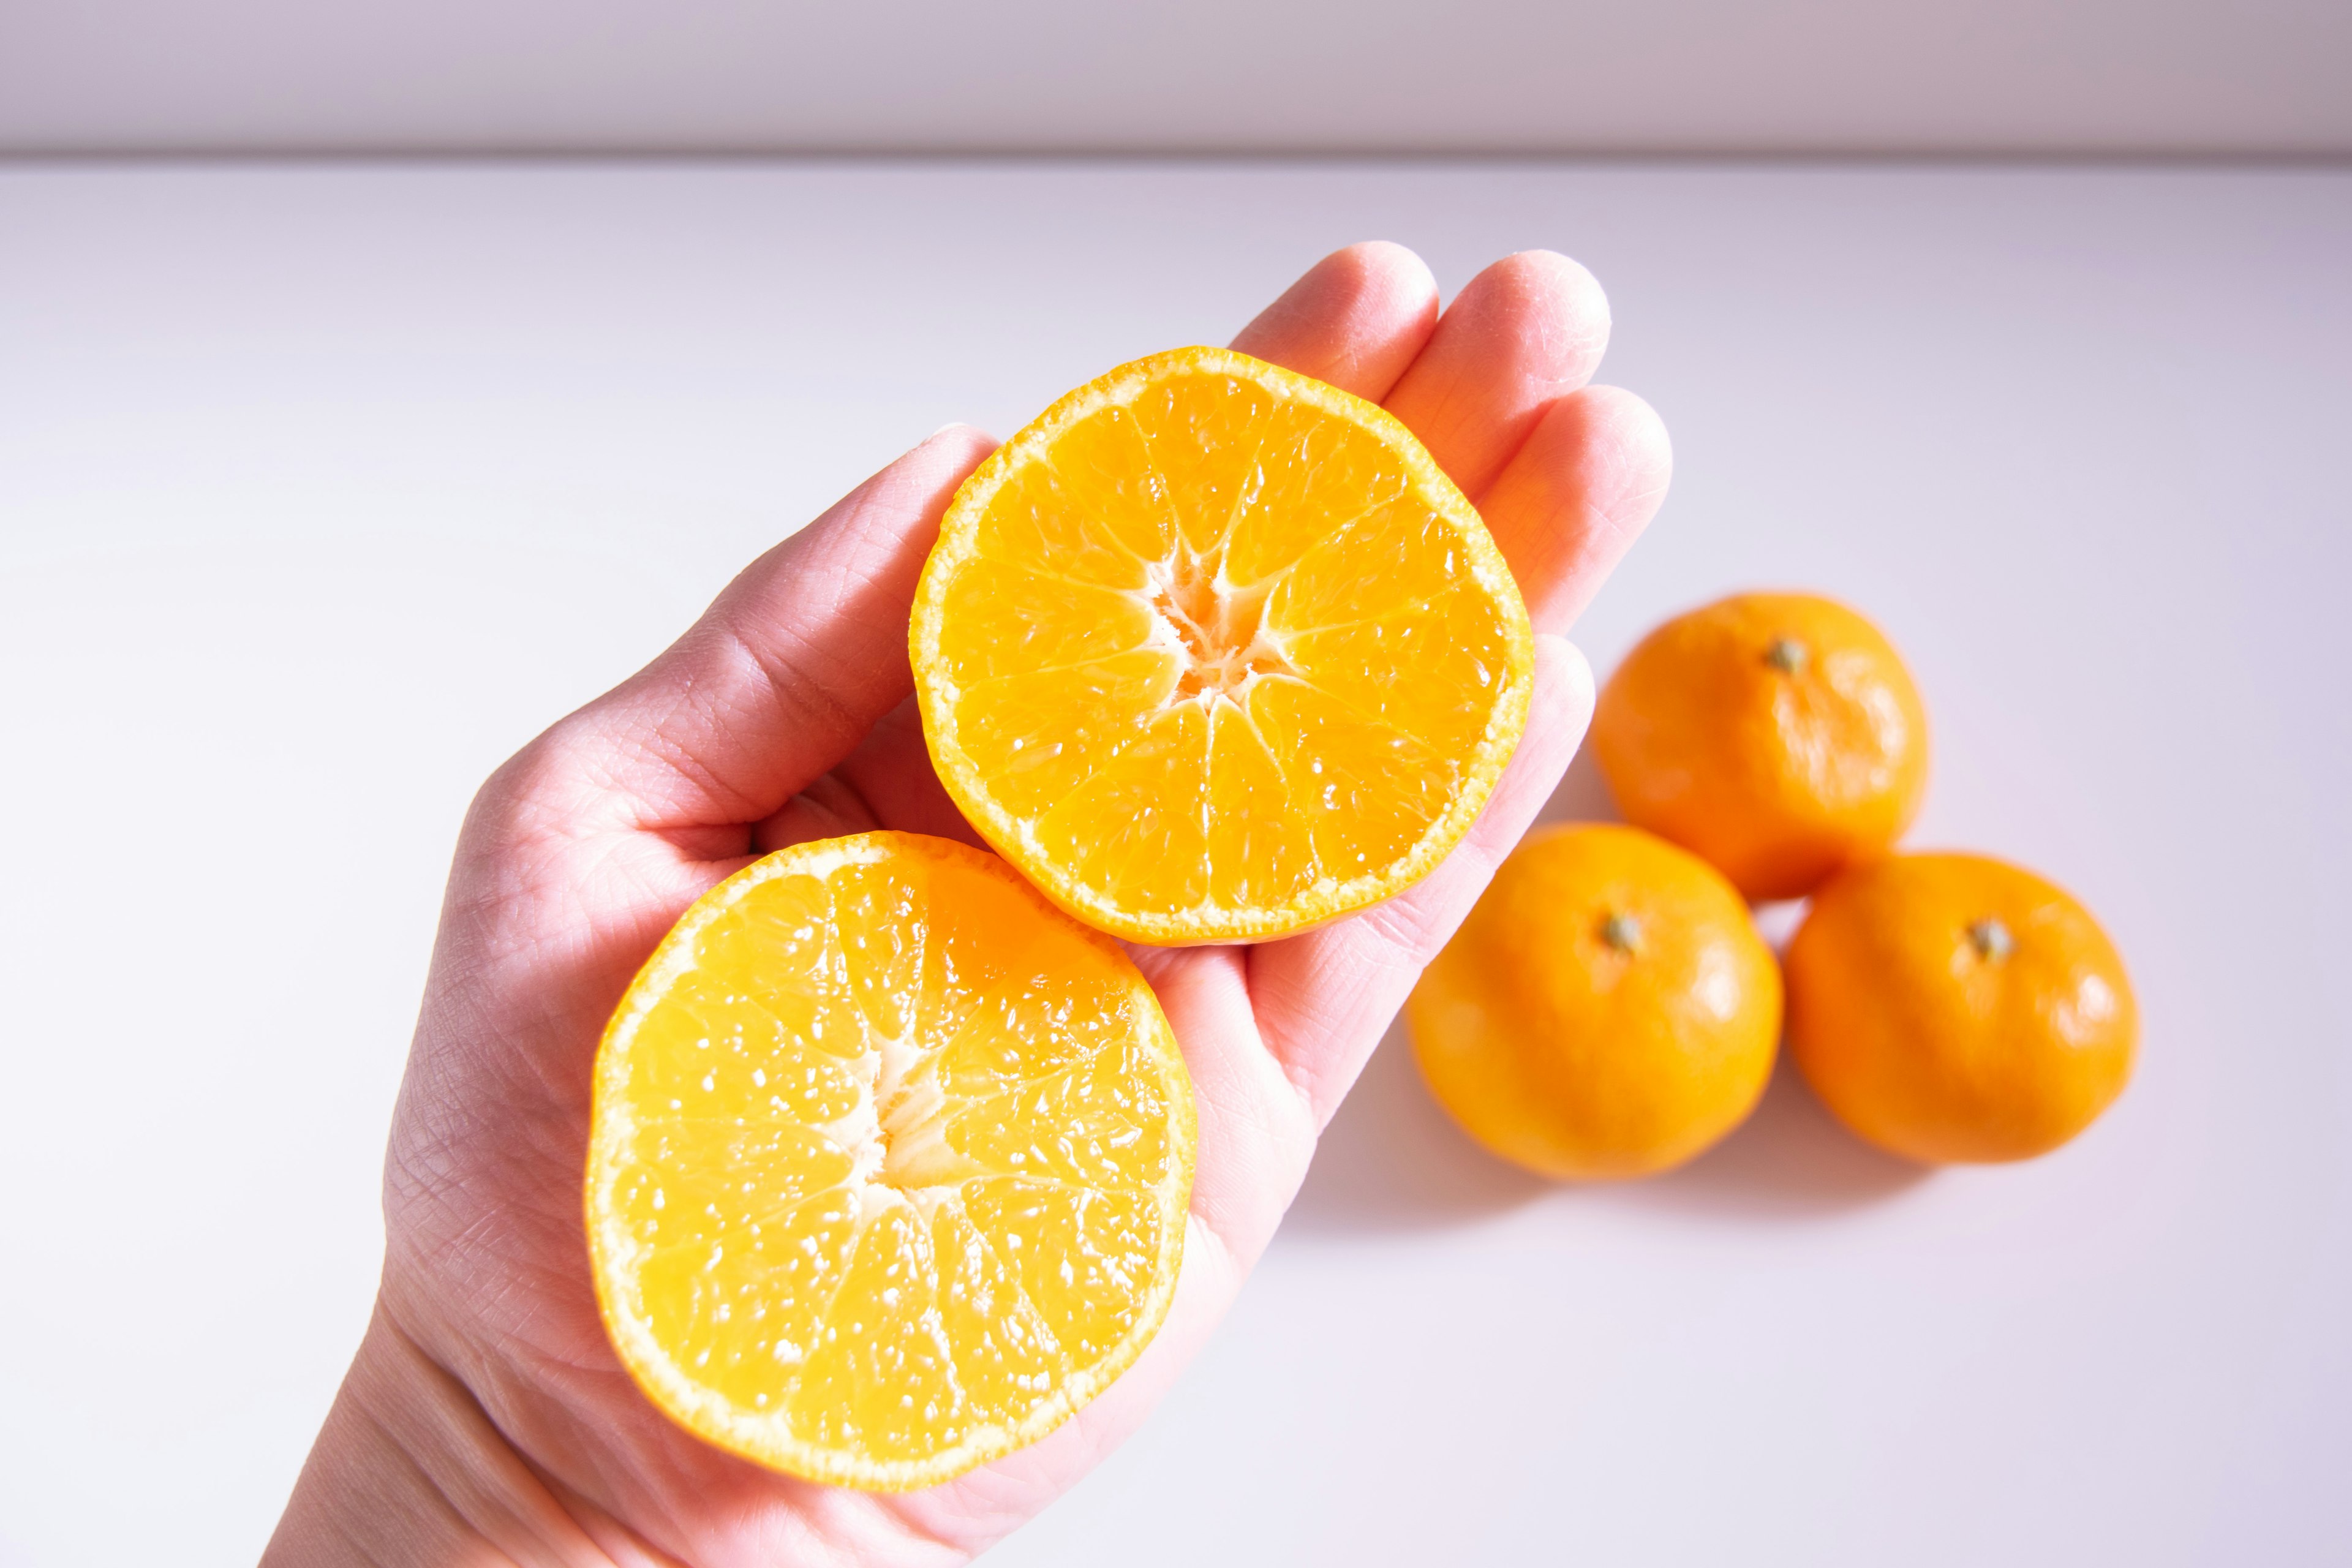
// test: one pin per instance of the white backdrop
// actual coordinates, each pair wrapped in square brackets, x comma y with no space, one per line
[2165,76]
[322,489]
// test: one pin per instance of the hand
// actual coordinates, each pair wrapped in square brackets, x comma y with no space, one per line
[486,1420]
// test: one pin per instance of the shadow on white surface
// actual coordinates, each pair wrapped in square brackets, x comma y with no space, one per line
[1392,1161]
[1787,1161]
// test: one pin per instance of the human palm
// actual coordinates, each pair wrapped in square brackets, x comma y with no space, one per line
[485,1418]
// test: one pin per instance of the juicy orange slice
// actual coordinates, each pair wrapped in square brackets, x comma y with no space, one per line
[1213,651]
[890,1164]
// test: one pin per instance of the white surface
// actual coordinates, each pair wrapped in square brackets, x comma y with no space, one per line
[2226,76]
[320,491]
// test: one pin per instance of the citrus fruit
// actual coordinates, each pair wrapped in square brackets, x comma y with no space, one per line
[888,1165]
[1213,652]
[1953,1008]
[1607,1010]
[1777,734]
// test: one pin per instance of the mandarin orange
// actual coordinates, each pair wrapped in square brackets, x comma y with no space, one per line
[1608,1009]
[889,1163]
[1778,735]
[1215,652]
[1953,1008]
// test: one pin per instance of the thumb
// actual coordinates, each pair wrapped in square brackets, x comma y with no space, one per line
[786,671]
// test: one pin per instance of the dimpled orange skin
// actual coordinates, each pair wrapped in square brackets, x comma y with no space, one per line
[1607,1011]
[1956,1009]
[1778,735]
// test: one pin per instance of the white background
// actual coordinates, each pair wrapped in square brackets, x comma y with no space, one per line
[322,490]
[2106,76]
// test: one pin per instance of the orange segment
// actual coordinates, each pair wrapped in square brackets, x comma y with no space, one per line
[1037,518]
[1321,472]
[1041,736]
[1138,827]
[1215,652]
[1368,792]
[1046,622]
[1114,495]
[888,1166]
[1201,434]
[1255,857]
[1395,650]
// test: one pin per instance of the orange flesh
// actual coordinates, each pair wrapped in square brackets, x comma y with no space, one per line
[890,1164]
[1213,651]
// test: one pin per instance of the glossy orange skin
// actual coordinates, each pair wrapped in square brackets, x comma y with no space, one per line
[1578,1057]
[1779,776]
[1931,1046]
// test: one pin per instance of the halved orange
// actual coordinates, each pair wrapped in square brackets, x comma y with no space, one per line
[888,1166]
[1214,652]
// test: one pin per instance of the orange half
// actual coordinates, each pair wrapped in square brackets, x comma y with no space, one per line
[888,1166]
[1216,652]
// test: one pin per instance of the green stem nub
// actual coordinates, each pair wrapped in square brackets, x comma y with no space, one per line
[1788,655]
[1622,932]
[1991,940]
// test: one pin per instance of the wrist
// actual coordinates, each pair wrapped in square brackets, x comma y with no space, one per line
[408,1472]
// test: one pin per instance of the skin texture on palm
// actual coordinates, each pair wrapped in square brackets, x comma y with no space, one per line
[486,1420]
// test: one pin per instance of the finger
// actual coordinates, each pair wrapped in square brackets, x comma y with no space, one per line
[886,780]
[1525,332]
[1571,501]
[1356,319]
[785,672]
[1327,997]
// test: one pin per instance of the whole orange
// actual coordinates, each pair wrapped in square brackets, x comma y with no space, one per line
[1607,1010]
[1778,735]
[1954,1007]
